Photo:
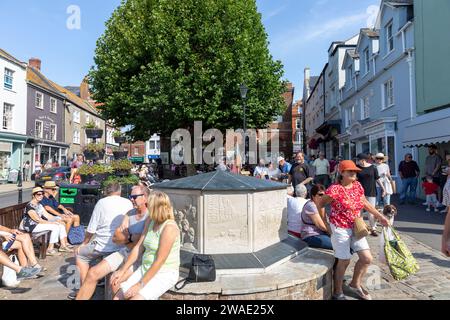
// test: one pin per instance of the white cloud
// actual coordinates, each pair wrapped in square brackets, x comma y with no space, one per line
[372,11]
[274,13]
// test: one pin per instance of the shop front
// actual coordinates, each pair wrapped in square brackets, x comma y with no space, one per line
[11,153]
[373,137]
[44,151]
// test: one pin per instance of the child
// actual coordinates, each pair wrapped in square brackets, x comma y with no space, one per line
[430,189]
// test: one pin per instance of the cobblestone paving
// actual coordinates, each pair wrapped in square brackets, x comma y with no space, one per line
[431,282]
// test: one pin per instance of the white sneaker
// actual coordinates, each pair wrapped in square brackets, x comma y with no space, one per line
[436,210]
[425,203]
[428,210]
[444,211]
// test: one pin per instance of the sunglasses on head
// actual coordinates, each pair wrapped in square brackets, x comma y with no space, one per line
[135,196]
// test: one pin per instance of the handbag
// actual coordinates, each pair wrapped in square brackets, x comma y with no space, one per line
[360,228]
[398,257]
[202,269]
[9,276]
[76,235]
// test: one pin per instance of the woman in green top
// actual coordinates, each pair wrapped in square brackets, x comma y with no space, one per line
[159,247]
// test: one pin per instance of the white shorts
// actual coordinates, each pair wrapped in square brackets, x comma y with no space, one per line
[115,259]
[343,240]
[156,287]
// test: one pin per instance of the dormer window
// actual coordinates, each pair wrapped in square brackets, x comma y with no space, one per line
[366,60]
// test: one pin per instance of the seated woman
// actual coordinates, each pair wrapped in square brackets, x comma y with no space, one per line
[23,245]
[159,247]
[36,219]
[313,228]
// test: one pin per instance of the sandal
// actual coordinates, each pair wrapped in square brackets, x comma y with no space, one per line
[65,249]
[53,252]
[360,292]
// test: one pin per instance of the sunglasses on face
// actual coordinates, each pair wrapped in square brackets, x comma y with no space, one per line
[135,196]
[39,194]
[320,194]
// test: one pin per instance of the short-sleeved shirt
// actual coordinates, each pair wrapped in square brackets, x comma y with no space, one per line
[294,209]
[76,164]
[299,173]
[308,228]
[347,204]
[107,217]
[368,178]
[286,167]
[408,169]
[429,187]
[321,166]
[29,224]
[431,162]
[51,202]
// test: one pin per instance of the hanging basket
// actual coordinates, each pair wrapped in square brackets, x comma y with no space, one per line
[119,155]
[120,140]
[94,133]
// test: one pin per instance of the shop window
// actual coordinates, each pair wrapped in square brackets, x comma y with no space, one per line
[391,154]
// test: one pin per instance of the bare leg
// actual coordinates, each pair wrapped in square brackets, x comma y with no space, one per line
[361,266]
[20,254]
[27,246]
[76,220]
[339,274]
[116,288]
[93,276]
[119,295]
[83,267]
[4,260]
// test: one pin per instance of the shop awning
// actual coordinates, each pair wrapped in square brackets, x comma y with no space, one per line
[329,129]
[431,128]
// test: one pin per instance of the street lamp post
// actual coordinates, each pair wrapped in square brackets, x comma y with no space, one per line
[244,89]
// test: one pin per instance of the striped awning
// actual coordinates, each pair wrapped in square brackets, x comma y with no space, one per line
[431,128]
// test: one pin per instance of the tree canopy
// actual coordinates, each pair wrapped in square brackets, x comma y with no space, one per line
[163,64]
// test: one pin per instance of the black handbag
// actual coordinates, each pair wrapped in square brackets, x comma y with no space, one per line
[203,269]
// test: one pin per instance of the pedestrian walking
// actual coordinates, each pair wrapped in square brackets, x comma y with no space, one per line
[322,170]
[409,173]
[369,179]
[74,176]
[347,200]
[385,178]
[26,170]
[433,164]
[446,189]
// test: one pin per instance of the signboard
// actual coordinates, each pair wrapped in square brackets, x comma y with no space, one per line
[67,200]
[154,156]
[68,192]
[137,159]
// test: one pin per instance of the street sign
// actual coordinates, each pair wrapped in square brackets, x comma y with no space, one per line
[153,156]
[137,159]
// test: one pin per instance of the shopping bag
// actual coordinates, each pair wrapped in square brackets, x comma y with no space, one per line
[390,237]
[9,276]
[398,257]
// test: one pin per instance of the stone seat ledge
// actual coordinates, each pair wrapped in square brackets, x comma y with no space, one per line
[306,267]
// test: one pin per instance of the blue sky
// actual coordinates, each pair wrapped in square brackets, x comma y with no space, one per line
[300,32]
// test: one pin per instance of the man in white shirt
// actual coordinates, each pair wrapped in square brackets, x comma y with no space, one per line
[295,207]
[107,217]
[322,170]
[261,171]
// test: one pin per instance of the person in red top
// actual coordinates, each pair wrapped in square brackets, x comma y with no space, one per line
[347,199]
[430,188]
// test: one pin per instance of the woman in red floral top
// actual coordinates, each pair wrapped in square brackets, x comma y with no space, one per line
[347,200]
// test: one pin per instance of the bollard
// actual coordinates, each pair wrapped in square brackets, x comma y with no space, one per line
[19,185]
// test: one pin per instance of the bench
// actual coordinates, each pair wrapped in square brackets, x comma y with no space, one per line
[11,217]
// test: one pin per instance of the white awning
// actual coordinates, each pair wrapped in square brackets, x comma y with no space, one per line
[431,128]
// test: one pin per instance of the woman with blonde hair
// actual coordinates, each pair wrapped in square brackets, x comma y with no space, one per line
[159,247]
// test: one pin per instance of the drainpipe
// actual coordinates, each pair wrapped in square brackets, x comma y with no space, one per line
[410,60]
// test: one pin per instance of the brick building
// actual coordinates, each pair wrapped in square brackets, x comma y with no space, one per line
[297,126]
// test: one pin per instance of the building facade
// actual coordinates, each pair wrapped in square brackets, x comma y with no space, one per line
[13,111]
[378,95]
[297,127]
[45,121]
[153,148]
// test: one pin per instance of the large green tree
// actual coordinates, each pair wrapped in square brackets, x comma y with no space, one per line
[163,64]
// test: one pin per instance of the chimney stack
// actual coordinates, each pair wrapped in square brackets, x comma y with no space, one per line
[35,63]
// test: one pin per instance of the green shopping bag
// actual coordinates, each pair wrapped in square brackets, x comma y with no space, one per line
[398,257]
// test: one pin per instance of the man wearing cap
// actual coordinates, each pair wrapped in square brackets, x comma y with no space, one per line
[369,178]
[52,206]
[284,167]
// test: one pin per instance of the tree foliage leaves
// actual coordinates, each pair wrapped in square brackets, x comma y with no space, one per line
[163,64]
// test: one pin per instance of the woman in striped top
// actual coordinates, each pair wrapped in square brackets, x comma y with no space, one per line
[159,247]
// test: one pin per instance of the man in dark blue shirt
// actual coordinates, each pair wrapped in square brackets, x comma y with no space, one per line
[52,206]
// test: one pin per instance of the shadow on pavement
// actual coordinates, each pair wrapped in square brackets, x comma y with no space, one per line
[419,230]
[433,260]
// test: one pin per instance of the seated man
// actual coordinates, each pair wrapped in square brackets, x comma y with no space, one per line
[22,243]
[127,234]
[52,206]
[22,272]
[295,207]
[107,217]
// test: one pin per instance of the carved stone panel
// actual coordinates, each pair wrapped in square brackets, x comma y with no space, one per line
[226,223]
[270,218]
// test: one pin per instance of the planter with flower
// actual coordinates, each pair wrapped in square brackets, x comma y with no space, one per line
[118,137]
[94,151]
[94,174]
[122,167]
[92,131]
